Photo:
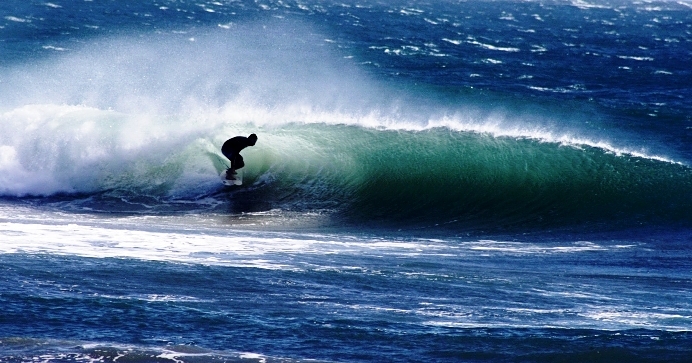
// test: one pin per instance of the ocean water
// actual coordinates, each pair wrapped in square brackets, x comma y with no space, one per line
[434,181]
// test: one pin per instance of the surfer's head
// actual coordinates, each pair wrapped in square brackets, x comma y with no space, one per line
[252,138]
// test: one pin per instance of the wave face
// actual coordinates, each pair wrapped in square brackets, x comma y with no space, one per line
[440,176]
[99,130]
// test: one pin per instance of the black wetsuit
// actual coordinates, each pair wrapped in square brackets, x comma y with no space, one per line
[231,149]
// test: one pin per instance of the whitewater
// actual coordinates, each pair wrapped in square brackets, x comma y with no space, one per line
[473,181]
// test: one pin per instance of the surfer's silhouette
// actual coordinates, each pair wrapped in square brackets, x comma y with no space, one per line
[231,149]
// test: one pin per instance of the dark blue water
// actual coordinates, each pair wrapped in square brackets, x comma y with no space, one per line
[433,181]
[440,301]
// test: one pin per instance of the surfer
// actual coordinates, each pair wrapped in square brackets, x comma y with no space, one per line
[231,149]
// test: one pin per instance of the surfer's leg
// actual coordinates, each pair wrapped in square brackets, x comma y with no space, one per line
[230,172]
[232,158]
[237,162]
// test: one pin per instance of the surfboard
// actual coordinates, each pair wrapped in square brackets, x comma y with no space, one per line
[238,180]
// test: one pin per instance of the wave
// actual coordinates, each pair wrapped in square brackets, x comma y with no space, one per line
[94,126]
[444,177]
[394,177]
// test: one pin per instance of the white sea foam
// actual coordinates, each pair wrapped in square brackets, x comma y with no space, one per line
[586,5]
[492,47]
[538,48]
[641,319]
[205,240]
[648,59]
[528,248]
[411,11]
[52,350]
[455,42]
[52,47]
[158,240]
[17,19]
[685,3]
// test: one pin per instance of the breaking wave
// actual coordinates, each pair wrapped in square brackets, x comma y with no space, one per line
[99,125]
